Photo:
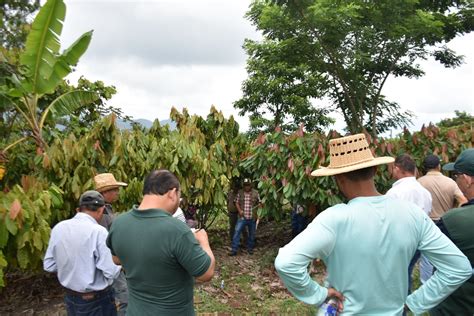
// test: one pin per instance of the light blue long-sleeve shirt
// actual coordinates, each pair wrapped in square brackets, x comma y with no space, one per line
[367,245]
[78,253]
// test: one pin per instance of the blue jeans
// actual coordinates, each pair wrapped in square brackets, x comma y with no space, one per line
[239,227]
[103,304]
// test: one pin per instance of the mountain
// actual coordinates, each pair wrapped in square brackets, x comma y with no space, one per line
[145,123]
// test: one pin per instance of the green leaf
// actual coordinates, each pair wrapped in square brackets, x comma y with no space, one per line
[3,235]
[42,44]
[22,256]
[37,242]
[69,58]
[11,225]
[67,103]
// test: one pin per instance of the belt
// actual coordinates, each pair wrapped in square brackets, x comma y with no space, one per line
[87,295]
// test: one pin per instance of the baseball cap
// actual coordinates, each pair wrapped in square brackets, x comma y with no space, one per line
[91,198]
[464,163]
[431,162]
[247,181]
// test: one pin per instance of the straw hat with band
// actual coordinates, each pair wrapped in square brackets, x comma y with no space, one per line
[106,181]
[348,154]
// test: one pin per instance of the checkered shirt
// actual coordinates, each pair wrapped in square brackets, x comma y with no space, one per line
[247,207]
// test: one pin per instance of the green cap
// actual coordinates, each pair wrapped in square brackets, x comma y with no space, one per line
[464,163]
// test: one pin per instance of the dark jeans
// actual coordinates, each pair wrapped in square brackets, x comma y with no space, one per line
[241,224]
[233,217]
[298,223]
[410,268]
[103,304]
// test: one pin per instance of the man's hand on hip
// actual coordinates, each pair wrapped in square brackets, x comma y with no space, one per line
[334,293]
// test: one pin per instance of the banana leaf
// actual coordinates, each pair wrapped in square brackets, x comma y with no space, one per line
[68,103]
[45,66]
[42,44]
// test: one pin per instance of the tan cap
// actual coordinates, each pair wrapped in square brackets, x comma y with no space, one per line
[348,154]
[106,181]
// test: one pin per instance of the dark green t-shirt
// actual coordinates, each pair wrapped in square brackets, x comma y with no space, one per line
[161,257]
[460,226]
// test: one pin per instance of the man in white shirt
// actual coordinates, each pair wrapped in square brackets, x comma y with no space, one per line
[408,189]
[78,254]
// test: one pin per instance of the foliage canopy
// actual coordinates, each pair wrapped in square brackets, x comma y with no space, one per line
[344,52]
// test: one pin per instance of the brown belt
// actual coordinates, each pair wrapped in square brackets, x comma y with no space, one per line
[86,295]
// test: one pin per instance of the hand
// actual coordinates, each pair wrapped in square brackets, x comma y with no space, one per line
[334,293]
[241,214]
[201,237]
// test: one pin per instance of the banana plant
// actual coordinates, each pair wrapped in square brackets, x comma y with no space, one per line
[42,69]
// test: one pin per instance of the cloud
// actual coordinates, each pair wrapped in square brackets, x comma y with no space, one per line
[150,92]
[163,32]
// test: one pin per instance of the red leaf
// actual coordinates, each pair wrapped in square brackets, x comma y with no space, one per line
[321,153]
[300,131]
[291,164]
[389,148]
[15,209]
[97,145]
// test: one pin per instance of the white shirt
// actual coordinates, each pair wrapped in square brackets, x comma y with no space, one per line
[180,215]
[409,189]
[78,253]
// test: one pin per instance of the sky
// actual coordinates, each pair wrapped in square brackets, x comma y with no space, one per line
[188,53]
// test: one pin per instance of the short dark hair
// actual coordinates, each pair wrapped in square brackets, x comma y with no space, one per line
[361,174]
[406,163]
[159,182]
[431,162]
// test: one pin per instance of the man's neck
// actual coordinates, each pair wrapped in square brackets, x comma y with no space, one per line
[404,176]
[362,189]
[150,201]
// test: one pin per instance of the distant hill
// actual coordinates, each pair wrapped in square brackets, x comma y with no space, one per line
[145,123]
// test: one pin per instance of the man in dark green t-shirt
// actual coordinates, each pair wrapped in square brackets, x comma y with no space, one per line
[458,225]
[160,255]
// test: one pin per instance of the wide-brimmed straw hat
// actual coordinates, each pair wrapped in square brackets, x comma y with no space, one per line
[348,154]
[106,181]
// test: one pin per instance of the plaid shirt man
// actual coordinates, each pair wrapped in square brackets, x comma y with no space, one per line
[247,207]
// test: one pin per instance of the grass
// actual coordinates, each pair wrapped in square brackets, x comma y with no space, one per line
[250,284]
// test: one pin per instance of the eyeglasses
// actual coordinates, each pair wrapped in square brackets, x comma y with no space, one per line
[456,175]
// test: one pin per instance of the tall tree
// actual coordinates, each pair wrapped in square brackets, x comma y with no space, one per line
[344,51]
[14,21]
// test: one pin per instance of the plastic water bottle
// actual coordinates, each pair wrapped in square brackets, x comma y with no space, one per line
[329,308]
[222,284]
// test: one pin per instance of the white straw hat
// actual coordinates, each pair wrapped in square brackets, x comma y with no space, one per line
[348,154]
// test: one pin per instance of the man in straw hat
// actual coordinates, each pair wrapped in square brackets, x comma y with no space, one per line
[458,225]
[368,243]
[106,184]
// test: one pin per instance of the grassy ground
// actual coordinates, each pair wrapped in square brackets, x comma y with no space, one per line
[248,284]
